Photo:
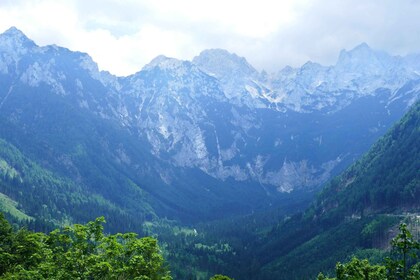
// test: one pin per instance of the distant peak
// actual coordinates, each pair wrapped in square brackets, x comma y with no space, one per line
[14,31]
[16,37]
[222,63]
[158,60]
[219,54]
[361,52]
[362,46]
[364,59]
[163,62]
[310,64]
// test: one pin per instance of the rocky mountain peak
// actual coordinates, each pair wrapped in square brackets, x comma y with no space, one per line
[223,64]
[13,39]
[364,60]
[164,63]
[360,51]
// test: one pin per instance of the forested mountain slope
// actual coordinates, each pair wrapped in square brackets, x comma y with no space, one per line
[355,211]
[384,179]
[42,200]
[341,221]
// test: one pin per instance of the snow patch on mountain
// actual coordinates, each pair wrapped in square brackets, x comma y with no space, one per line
[217,113]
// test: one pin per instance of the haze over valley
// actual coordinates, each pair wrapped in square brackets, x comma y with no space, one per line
[234,170]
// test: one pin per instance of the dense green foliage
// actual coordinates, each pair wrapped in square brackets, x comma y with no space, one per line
[78,252]
[403,264]
[355,211]
[41,199]
[384,179]
[357,269]
[404,261]
[220,277]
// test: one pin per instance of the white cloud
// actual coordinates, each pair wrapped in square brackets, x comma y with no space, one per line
[122,36]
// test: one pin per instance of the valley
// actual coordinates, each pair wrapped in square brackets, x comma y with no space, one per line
[233,170]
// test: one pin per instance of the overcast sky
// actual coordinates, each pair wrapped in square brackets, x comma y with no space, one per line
[124,35]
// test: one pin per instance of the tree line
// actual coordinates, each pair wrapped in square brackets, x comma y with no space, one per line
[402,264]
[80,252]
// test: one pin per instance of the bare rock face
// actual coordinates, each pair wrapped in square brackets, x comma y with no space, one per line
[216,115]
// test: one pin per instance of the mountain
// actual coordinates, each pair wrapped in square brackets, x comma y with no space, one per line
[356,214]
[51,199]
[384,179]
[356,211]
[357,73]
[255,121]
[239,80]
[197,140]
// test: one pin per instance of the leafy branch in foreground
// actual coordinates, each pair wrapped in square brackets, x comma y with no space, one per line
[78,252]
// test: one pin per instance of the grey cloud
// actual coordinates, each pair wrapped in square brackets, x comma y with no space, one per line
[329,26]
[320,30]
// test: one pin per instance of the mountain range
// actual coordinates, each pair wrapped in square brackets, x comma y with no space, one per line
[189,140]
